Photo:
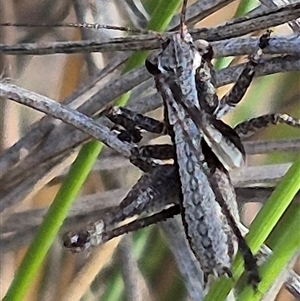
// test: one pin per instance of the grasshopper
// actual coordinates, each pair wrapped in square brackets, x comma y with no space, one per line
[182,73]
[205,115]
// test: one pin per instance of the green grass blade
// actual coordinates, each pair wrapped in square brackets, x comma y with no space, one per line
[261,227]
[286,246]
[52,222]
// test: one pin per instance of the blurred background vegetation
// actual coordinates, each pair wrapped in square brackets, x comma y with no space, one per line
[57,76]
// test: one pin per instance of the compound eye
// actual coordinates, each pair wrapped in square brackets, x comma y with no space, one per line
[152,68]
[76,241]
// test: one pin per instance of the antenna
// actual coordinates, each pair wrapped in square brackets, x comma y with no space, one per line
[96,26]
[182,18]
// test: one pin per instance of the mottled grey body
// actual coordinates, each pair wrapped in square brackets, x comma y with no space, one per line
[207,230]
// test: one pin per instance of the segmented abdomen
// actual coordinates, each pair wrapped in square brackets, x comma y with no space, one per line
[201,214]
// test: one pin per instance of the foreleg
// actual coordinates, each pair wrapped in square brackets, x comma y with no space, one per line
[133,123]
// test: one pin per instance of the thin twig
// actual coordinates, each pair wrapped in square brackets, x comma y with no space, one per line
[235,28]
[68,138]
[94,207]
[115,89]
[43,127]
[198,11]
[251,147]
[254,175]
[68,115]
[131,274]
[186,261]
[247,46]
[264,147]
[292,284]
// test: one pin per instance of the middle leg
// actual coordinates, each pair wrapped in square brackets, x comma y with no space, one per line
[250,127]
